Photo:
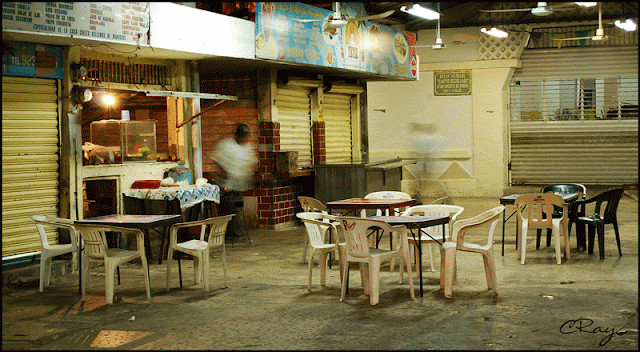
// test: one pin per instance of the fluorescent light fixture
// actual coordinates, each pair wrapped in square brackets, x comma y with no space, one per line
[586,4]
[494,32]
[627,25]
[420,11]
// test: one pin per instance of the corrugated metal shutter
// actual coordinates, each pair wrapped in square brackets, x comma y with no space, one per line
[294,116]
[577,63]
[337,117]
[587,152]
[30,161]
[574,116]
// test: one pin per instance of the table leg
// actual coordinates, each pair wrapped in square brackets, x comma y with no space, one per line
[420,264]
[503,221]
[165,239]
[330,241]
[147,244]
[80,265]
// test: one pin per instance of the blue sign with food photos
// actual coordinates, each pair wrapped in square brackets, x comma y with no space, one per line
[300,33]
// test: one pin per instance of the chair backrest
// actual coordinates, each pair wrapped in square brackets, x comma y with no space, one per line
[538,209]
[61,223]
[386,195]
[566,188]
[489,217]
[435,210]
[612,199]
[217,228]
[355,230]
[95,241]
[316,225]
[311,204]
[442,200]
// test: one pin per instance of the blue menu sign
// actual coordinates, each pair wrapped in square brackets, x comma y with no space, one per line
[31,60]
[359,46]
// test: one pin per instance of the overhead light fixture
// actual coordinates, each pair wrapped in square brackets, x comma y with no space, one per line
[420,11]
[494,32]
[586,4]
[627,25]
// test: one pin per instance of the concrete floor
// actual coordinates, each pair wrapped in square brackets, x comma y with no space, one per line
[583,304]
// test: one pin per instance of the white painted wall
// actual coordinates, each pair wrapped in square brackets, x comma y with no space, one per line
[415,102]
[182,28]
[475,128]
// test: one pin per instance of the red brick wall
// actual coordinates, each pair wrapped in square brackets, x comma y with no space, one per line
[319,146]
[277,194]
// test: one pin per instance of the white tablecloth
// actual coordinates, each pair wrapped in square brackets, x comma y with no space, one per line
[187,195]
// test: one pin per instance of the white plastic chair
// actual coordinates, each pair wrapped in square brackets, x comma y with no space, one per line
[397,211]
[435,231]
[310,204]
[48,251]
[355,230]
[201,248]
[539,215]
[316,224]
[386,195]
[96,248]
[457,243]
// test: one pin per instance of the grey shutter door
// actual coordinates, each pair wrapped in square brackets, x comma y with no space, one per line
[337,117]
[30,161]
[586,152]
[581,149]
[294,116]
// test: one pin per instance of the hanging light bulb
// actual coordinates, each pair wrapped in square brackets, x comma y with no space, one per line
[108,100]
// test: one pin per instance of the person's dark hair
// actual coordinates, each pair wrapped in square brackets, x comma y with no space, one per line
[242,130]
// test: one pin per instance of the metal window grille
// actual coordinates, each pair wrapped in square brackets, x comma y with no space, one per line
[574,99]
[120,72]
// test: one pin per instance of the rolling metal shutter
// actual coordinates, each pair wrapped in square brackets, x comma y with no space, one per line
[337,117]
[586,152]
[294,116]
[574,116]
[30,161]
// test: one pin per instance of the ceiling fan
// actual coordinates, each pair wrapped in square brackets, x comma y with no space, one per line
[337,20]
[599,32]
[541,9]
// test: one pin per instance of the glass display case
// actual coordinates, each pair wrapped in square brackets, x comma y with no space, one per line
[128,140]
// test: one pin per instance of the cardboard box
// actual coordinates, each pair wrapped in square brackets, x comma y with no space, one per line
[286,162]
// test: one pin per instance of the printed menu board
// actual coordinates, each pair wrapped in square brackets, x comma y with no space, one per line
[122,22]
[360,46]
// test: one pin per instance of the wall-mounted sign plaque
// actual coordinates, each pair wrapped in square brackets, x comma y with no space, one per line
[457,82]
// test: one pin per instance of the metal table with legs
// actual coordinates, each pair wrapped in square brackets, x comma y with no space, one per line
[417,222]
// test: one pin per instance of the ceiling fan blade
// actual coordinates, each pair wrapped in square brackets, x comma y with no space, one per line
[508,10]
[576,38]
[372,17]
[563,6]
[595,37]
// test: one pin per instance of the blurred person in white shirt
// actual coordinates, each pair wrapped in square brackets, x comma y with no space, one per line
[237,159]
